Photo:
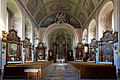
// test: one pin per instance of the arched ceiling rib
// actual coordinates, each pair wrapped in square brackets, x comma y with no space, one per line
[79,8]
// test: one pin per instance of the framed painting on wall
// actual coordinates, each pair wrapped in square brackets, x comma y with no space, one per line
[12,51]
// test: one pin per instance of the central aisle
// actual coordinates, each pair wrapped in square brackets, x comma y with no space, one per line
[59,71]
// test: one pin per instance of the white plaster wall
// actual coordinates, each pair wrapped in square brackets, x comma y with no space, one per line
[79,32]
[3,27]
[91,27]
[0,40]
[116,13]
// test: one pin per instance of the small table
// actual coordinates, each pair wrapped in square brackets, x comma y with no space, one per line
[60,60]
[31,72]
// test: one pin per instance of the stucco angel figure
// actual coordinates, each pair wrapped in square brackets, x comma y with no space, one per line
[60,18]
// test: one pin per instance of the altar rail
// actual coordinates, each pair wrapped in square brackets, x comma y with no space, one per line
[93,70]
[18,70]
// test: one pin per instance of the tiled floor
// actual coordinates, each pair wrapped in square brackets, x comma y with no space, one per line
[61,72]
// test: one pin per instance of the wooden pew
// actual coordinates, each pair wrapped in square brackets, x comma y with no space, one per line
[17,70]
[93,70]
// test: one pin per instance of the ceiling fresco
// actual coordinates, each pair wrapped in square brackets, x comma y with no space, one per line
[69,19]
[80,9]
[60,7]
[32,6]
[89,6]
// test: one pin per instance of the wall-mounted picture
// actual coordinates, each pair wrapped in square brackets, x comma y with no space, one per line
[4,35]
[12,49]
[40,54]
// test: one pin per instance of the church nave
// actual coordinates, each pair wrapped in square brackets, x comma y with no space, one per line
[59,39]
[61,71]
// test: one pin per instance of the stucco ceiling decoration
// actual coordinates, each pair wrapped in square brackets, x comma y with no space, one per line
[46,2]
[32,6]
[60,7]
[80,9]
[68,19]
[89,6]
[82,17]
[38,17]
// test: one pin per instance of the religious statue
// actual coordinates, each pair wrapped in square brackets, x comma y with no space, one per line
[27,54]
[60,18]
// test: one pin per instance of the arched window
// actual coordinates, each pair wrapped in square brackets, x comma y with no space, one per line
[36,37]
[28,29]
[106,18]
[92,30]
[14,17]
[85,36]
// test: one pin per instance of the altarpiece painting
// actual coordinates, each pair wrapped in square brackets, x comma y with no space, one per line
[13,47]
[106,47]
[79,51]
[40,53]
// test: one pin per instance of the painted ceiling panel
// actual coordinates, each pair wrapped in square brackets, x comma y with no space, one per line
[60,7]
[42,8]
[32,6]
[69,19]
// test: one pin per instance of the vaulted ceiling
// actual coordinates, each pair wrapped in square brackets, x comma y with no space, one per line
[79,9]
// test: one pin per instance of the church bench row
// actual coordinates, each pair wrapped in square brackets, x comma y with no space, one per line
[18,70]
[93,70]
